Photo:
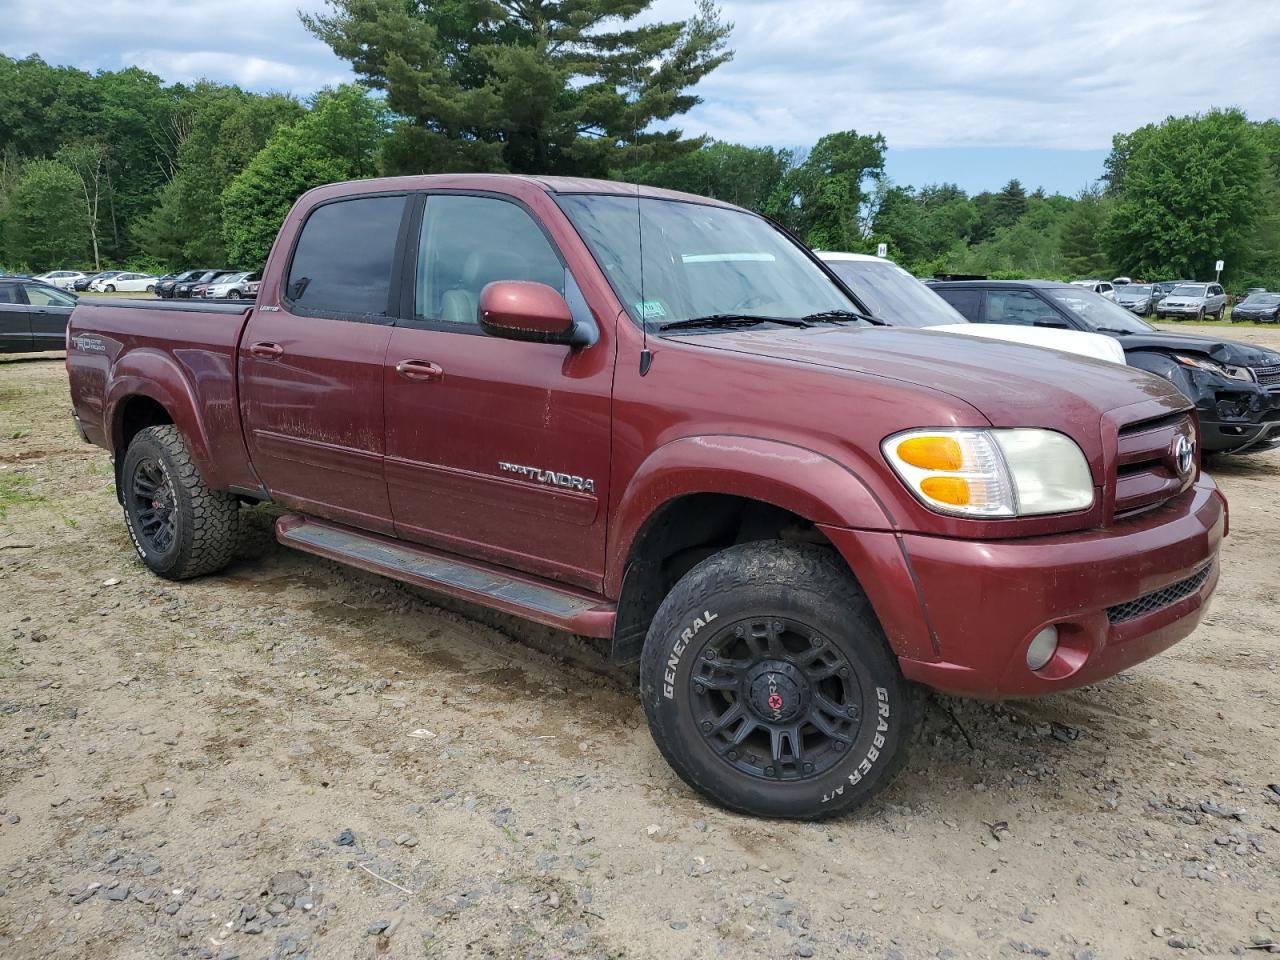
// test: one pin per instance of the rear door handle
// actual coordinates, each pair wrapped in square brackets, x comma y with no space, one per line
[264,350]
[422,370]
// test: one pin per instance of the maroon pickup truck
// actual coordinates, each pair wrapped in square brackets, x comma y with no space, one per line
[658,419]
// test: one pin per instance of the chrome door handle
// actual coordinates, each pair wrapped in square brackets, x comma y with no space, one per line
[265,350]
[420,370]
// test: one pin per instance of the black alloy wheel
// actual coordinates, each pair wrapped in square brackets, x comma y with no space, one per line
[154,505]
[775,700]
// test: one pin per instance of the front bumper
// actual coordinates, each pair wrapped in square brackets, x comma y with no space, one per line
[1184,311]
[981,603]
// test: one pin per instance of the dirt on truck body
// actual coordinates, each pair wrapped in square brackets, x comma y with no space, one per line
[221,767]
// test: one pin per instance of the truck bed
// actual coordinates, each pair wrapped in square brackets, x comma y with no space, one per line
[175,354]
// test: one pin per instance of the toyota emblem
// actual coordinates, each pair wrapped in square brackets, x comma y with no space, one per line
[1184,454]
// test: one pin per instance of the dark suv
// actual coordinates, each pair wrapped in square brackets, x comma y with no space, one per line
[1235,386]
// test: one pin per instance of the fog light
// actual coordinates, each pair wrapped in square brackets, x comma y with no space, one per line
[1042,648]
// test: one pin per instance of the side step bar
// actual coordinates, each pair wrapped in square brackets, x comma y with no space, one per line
[565,608]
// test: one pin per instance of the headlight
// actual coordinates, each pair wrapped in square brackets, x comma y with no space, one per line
[992,473]
[1221,369]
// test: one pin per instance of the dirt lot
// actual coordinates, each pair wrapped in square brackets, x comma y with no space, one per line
[228,767]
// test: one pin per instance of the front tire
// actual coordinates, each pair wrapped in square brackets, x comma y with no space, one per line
[179,527]
[1200,316]
[769,686]
[233,294]
[109,289]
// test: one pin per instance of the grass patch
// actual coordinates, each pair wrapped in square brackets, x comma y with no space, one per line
[16,491]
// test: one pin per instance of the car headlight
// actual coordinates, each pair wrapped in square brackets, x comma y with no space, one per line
[1221,369]
[992,473]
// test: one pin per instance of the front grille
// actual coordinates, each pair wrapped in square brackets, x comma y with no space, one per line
[1146,474]
[1268,376]
[1124,612]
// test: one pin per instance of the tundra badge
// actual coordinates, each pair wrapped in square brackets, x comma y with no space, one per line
[566,480]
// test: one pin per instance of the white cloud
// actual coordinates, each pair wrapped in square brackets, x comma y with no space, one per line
[956,73]
[925,73]
[258,44]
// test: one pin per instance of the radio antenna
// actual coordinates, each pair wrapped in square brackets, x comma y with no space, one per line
[646,358]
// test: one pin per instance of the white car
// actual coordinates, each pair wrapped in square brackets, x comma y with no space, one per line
[234,286]
[1104,287]
[126,283]
[895,296]
[62,279]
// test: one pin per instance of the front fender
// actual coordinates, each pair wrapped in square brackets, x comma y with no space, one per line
[156,376]
[794,478]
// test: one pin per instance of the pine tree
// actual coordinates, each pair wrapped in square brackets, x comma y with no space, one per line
[529,86]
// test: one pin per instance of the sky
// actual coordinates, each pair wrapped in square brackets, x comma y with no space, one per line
[972,93]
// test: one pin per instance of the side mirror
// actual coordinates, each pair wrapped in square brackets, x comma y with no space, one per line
[523,310]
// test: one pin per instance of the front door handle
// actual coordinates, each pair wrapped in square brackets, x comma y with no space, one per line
[265,350]
[421,370]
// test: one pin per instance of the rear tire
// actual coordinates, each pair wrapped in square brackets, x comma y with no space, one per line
[151,288]
[180,527]
[769,686]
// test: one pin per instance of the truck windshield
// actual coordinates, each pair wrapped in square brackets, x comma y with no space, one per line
[894,295]
[698,260]
[1098,313]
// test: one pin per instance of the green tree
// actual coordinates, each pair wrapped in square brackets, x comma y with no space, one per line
[217,130]
[1081,235]
[746,176]
[550,86]
[1009,205]
[1193,189]
[338,139]
[46,220]
[821,198]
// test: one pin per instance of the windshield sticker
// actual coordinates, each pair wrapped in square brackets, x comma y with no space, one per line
[651,310]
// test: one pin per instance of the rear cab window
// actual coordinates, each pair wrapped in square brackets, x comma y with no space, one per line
[342,262]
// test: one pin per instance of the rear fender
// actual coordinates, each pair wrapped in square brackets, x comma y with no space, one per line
[156,376]
[794,478]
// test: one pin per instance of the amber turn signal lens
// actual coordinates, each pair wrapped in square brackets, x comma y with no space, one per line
[932,453]
[952,490]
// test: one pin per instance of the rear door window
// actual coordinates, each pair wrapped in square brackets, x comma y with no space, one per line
[1020,307]
[967,302]
[342,262]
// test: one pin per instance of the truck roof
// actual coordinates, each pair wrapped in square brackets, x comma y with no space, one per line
[504,183]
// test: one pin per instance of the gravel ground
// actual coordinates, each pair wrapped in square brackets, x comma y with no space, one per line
[294,759]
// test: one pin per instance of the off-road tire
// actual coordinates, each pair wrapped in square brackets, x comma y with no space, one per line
[808,586]
[206,522]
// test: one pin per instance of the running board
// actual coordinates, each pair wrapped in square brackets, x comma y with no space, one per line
[554,605]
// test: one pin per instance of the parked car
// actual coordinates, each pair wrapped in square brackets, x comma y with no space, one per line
[125,282]
[82,284]
[62,279]
[33,316]
[1102,287]
[1195,301]
[1138,297]
[693,444]
[184,289]
[165,287]
[236,286]
[202,289]
[1263,307]
[1235,386]
[1250,291]
[889,293]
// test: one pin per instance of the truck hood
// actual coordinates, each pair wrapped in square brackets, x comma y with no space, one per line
[1094,345]
[1231,352]
[1011,384]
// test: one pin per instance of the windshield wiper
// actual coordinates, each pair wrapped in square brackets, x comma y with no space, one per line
[837,315]
[726,320]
